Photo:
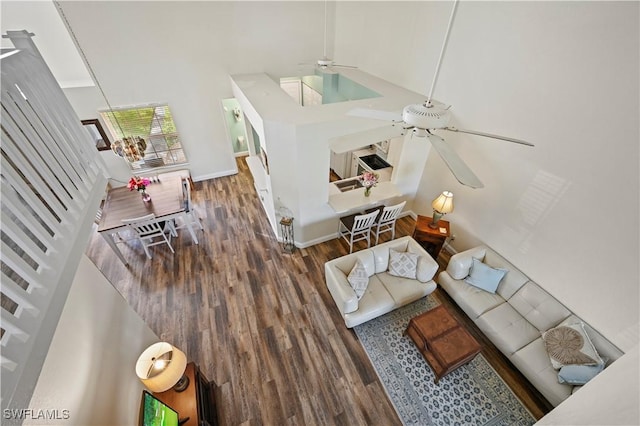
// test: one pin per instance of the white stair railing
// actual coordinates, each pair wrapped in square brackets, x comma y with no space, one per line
[51,184]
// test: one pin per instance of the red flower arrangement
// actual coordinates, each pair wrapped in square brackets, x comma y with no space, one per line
[138,183]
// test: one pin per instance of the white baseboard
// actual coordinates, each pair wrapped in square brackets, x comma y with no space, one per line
[449,248]
[315,241]
[329,237]
[215,175]
[413,215]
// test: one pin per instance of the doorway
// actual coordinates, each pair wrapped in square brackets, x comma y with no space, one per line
[236,128]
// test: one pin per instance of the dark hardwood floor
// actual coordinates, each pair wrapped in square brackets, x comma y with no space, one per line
[261,323]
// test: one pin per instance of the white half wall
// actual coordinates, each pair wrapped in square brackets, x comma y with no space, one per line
[90,366]
[563,75]
[610,398]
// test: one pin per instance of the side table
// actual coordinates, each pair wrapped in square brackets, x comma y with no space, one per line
[431,239]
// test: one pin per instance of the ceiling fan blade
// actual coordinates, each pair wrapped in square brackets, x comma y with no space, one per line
[459,169]
[489,135]
[396,117]
[345,66]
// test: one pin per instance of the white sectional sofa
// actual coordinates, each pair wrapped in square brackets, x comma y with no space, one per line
[515,317]
[384,292]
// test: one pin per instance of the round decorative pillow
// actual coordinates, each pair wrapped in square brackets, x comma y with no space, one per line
[564,343]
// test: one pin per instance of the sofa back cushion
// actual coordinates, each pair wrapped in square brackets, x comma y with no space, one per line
[512,281]
[346,263]
[380,253]
[605,348]
[541,309]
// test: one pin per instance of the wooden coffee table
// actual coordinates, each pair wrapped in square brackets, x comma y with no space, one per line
[442,340]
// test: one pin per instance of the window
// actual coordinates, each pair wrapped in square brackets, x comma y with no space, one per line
[145,136]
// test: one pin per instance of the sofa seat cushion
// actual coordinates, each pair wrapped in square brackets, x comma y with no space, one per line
[376,301]
[405,290]
[473,301]
[507,329]
[538,307]
[533,362]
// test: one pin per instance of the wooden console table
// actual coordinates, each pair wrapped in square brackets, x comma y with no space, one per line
[431,239]
[197,402]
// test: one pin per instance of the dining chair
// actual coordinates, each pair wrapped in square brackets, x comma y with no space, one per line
[98,217]
[191,214]
[387,220]
[357,227]
[151,232]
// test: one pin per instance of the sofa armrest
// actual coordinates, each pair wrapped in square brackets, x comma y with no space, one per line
[460,263]
[343,295]
[427,267]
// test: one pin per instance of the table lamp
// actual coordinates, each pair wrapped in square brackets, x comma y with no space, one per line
[441,206]
[161,366]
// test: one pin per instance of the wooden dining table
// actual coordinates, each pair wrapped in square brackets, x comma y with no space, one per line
[167,202]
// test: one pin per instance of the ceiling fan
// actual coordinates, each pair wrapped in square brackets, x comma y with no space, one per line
[325,62]
[431,115]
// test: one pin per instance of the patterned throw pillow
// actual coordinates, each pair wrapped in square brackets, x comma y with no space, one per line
[569,344]
[403,264]
[358,279]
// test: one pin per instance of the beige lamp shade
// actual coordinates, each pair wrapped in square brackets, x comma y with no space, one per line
[161,366]
[444,202]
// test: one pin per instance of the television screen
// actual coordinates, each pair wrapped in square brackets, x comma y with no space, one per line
[154,412]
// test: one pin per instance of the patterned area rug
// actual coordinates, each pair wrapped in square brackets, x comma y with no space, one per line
[472,394]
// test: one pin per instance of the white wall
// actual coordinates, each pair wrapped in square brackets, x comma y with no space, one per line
[183,52]
[90,366]
[613,394]
[563,75]
[52,38]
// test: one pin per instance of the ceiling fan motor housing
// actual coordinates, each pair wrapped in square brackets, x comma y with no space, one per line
[325,62]
[434,116]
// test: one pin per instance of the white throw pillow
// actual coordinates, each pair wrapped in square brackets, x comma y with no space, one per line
[484,276]
[358,279]
[403,264]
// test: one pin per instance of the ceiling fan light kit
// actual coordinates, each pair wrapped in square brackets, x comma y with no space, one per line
[431,115]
